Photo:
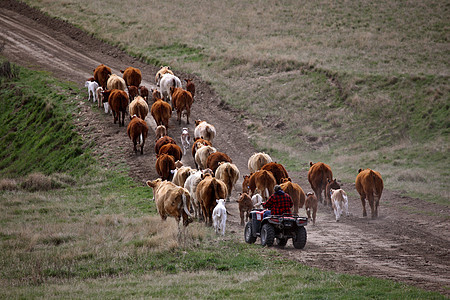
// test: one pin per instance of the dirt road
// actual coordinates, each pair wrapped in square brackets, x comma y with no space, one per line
[409,242]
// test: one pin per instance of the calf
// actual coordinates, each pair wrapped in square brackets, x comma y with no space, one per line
[133,92]
[190,87]
[332,184]
[137,130]
[161,112]
[246,184]
[311,206]
[143,92]
[245,206]
[160,131]
[92,89]
[219,216]
[340,203]
[185,140]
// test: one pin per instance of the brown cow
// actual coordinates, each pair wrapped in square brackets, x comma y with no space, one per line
[278,171]
[162,141]
[228,173]
[369,185]
[139,108]
[132,76]
[161,112]
[101,75]
[245,206]
[118,102]
[295,191]
[137,130]
[246,183]
[208,191]
[182,101]
[172,149]
[214,159]
[257,160]
[311,206]
[263,181]
[133,92]
[318,176]
[143,92]
[190,86]
[171,200]
[165,163]
[155,95]
[332,184]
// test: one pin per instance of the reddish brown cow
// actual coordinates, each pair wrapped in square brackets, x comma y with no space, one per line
[311,206]
[137,130]
[190,87]
[132,92]
[163,141]
[245,206]
[118,102]
[246,184]
[132,76]
[165,163]
[143,92]
[264,182]
[278,171]
[101,75]
[161,112]
[295,191]
[369,185]
[182,101]
[208,191]
[156,95]
[172,149]
[318,176]
[332,184]
[215,158]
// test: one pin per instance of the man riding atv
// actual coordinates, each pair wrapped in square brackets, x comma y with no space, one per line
[279,203]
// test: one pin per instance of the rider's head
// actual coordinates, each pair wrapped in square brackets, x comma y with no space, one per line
[277,188]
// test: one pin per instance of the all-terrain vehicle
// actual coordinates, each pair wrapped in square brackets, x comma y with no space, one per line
[274,227]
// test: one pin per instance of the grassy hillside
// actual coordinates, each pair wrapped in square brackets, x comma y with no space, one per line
[98,236]
[355,84]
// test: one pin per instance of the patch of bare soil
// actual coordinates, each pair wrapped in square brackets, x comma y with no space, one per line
[409,242]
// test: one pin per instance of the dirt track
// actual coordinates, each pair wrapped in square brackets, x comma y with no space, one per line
[409,242]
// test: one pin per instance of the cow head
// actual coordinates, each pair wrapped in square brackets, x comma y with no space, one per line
[311,164]
[153,183]
[197,122]
[283,180]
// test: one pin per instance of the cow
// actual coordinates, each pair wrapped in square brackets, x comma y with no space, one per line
[118,102]
[171,200]
[246,183]
[132,76]
[172,149]
[143,92]
[168,81]
[133,92]
[204,130]
[311,206]
[163,70]
[332,184]
[199,142]
[257,201]
[278,171]
[101,75]
[228,173]
[318,176]
[340,203]
[295,191]
[155,94]
[181,174]
[190,86]
[245,206]
[369,185]
[182,101]
[116,82]
[160,131]
[92,88]
[208,191]
[162,141]
[257,160]
[191,185]
[215,158]
[161,112]
[202,155]
[263,181]
[219,216]
[137,130]
[185,140]
[165,163]
[139,107]
[100,99]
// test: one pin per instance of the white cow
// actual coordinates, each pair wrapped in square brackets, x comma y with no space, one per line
[167,81]
[191,185]
[92,89]
[219,216]
[257,201]
[185,140]
[204,130]
[339,201]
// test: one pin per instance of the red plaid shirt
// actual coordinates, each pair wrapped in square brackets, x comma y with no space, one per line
[279,203]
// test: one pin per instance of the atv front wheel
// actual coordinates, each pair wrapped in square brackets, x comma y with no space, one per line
[267,235]
[299,240]
[248,233]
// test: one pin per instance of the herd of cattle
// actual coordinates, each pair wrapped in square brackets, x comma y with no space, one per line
[186,193]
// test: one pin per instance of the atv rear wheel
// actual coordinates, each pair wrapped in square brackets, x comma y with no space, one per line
[267,235]
[299,240]
[248,233]
[282,242]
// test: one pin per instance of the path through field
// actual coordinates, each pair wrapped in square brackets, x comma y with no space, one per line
[409,242]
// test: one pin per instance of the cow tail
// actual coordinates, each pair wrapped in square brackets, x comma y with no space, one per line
[141,139]
[186,210]
[208,133]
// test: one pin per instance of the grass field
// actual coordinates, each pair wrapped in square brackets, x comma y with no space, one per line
[87,232]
